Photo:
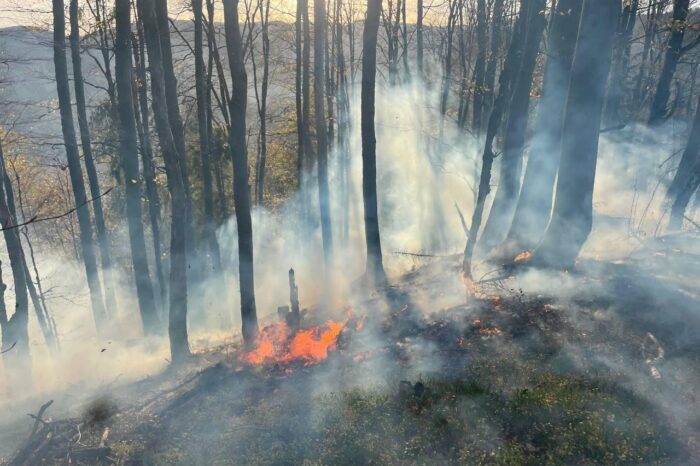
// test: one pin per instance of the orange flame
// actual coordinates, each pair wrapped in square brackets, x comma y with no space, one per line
[278,344]
[522,256]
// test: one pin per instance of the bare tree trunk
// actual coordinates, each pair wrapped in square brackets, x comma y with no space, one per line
[128,154]
[506,196]
[177,129]
[264,7]
[76,172]
[204,148]
[343,104]
[492,58]
[375,267]
[140,101]
[298,99]
[572,216]
[535,202]
[506,81]
[419,37]
[46,324]
[15,329]
[618,76]
[35,292]
[177,326]
[321,139]
[239,154]
[480,65]
[685,181]
[659,110]
[93,180]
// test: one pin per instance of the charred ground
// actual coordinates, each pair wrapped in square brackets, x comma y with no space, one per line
[511,377]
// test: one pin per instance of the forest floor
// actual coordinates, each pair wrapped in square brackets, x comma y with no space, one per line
[597,367]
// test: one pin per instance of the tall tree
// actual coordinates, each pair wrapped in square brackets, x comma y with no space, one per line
[621,58]
[321,137]
[212,246]
[15,328]
[177,322]
[140,99]
[239,154]
[419,37]
[375,266]
[480,65]
[93,180]
[685,182]
[506,80]
[298,41]
[659,111]
[492,60]
[74,168]
[572,216]
[510,170]
[128,155]
[535,201]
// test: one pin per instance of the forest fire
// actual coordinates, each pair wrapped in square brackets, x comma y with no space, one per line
[522,256]
[278,343]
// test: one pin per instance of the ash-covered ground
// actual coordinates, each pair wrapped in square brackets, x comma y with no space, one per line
[597,366]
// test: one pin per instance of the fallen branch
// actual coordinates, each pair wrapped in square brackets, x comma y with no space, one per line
[36,219]
[692,222]
[37,418]
[8,349]
[461,219]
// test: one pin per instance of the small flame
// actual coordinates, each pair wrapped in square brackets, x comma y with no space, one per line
[522,256]
[278,344]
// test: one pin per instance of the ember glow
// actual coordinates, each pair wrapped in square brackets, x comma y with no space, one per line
[280,344]
[522,256]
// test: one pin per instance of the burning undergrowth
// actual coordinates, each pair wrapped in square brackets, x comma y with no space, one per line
[509,378]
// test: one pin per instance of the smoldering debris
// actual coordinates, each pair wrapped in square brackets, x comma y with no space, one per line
[474,378]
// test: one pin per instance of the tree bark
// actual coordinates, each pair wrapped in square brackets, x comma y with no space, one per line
[177,325]
[375,266]
[535,202]
[572,216]
[76,172]
[419,38]
[239,154]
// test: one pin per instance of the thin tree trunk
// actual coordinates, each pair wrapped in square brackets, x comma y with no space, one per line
[535,202]
[375,267]
[419,38]
[15,329]
[572,216]
[177,326]
[76,172]
[93,180]
[239,154]
[298,94]
[128,155]
[140,101]
[685,181]
[506,196]
[492,59]
[618,75]
[321,137]
[480,65]
[506,81]
[659,110]
[204,148]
